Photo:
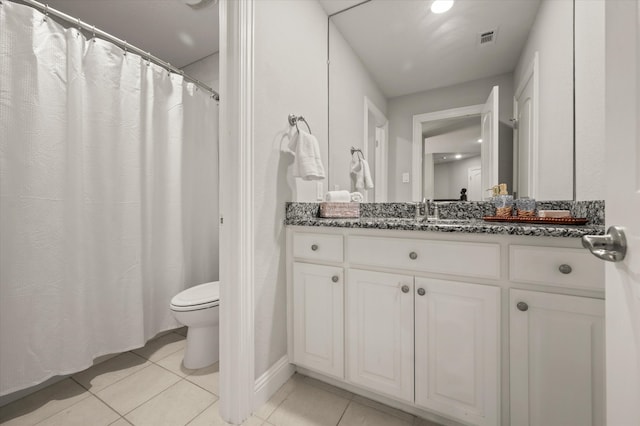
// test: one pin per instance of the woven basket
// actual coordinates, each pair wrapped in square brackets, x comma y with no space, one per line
[339,210]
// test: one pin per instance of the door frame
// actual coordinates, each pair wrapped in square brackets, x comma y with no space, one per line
[531,73]
[381,164]
[237,343]
[416,148]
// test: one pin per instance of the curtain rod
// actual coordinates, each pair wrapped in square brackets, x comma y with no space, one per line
[120,43]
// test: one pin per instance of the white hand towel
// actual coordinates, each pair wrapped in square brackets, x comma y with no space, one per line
[338,196]
[360,173]
[357,197]
[307,164]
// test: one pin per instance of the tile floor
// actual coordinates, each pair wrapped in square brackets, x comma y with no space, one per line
[149,386]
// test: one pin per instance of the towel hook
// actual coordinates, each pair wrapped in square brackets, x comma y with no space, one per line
[354,150]
[293,121]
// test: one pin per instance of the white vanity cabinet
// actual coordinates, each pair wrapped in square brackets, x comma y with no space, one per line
[380,332]
[557,359]
[457,349]
[428,322]
[318,326]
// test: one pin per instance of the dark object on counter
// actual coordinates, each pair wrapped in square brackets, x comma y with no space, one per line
[463,194]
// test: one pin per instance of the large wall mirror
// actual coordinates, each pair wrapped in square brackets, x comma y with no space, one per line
[440,102]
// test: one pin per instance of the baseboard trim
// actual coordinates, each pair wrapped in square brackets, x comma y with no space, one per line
[271,380]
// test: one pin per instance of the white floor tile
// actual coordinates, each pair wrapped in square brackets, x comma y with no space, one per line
[107,373]
[211,417]
[361,415]
[207,378]
[384,408]
[309,406]
[175,406]
[120,422]
[161,347]
[277,398]
[329,388]
[132,391]
[42,404]
[424,422]
[173,363]
[89,411]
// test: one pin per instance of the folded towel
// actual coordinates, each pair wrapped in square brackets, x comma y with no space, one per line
[360,173]
[357,197]
[338,196]
[307,164]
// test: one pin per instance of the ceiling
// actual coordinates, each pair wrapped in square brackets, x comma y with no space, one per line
[409,49]
[169,29]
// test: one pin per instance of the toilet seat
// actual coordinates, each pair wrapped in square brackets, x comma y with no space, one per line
[201,296]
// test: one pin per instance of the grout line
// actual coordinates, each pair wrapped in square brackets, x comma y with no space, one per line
[344,412]
[196,416]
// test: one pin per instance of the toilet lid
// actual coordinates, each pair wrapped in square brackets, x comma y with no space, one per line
[197,296]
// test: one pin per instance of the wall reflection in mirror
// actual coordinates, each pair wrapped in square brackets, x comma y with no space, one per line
[479,95]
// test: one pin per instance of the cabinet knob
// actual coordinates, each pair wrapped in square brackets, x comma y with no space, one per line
[405,288]
[565,269]
[335,278]
[522,306]
[421,291]
[314,247]
[413,255]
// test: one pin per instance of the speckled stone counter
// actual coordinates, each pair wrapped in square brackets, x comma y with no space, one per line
[454,217]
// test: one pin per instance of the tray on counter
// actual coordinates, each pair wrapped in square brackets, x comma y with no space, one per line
[539,220]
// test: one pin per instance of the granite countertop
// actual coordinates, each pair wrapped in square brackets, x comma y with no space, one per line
[472,226]
[455,217]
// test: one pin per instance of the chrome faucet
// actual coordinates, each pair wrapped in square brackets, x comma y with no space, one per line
[425,206]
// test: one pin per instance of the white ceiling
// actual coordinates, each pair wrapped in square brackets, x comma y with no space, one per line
[409,49]
[168,29]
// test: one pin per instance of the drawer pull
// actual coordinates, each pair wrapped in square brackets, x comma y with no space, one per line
[335,278]
[314,247]
[565,269]
[522,306]
[421,291]
[413,255]
[405,288]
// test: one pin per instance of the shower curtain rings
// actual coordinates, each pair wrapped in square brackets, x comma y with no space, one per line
[79,28]
[93,30]
[126,47]
[148,58]
[46,13]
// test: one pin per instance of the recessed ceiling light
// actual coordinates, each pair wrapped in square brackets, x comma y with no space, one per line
[441,6]
[479,140]
[458,156]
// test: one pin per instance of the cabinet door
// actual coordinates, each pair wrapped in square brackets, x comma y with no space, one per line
[557,359]
[318,322]
[380,332]
[458,350]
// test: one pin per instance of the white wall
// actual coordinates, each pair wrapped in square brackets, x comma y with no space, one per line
[590,133]
[207,70]
[457,140]
[290,77]
[349,83]
[551,36]
[402,109]
[450,177]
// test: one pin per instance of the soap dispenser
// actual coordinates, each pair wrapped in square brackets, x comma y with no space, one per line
[503,202]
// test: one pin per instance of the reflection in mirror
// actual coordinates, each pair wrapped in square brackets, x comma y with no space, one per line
[398,73]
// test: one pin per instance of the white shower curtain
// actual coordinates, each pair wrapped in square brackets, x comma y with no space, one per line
[108,197]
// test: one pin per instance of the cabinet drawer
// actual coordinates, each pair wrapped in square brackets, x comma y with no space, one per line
[446,257]
[322,247]
[567,267]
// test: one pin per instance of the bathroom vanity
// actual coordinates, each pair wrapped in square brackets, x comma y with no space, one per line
[457,321]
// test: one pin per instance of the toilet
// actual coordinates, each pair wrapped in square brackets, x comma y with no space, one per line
[198,308]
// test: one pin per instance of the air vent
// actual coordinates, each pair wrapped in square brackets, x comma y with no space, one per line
[487,37]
